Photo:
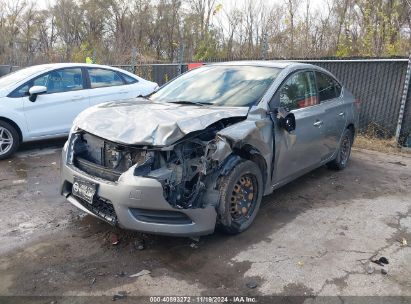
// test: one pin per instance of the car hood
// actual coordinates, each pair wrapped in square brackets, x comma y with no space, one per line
[3,92]
[143,122]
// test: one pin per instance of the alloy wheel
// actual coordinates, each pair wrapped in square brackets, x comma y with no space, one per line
[6,140]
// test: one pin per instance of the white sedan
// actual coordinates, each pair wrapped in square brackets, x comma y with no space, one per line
[41,102]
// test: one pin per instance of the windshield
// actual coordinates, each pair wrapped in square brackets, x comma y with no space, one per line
[236,86]
[20,75]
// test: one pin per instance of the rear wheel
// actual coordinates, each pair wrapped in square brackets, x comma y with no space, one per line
[344,151]
[9,140]
[241,192]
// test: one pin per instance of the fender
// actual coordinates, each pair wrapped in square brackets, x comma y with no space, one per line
[16,117]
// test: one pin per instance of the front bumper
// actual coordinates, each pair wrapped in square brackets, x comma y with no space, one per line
[137,203]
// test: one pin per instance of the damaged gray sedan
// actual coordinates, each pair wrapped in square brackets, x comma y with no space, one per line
[203,150]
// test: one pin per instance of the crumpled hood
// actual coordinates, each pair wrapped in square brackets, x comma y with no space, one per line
[143,122]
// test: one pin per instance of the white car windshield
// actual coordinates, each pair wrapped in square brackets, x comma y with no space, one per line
[20,75]
[235,86]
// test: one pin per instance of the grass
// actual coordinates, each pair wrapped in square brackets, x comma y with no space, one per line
[380,145]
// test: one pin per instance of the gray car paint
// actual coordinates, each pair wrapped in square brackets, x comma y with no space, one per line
[282,156]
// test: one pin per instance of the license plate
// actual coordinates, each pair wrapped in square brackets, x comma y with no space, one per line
[84,190]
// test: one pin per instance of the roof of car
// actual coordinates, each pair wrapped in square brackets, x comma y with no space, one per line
[70,64]
[265,63]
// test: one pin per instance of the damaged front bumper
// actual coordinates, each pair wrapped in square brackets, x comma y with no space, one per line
[136,203]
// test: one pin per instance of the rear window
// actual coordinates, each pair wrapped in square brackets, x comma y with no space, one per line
[128,79]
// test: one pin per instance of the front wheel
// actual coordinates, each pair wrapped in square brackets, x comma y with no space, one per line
[241,192]
[344,151]
[9,140]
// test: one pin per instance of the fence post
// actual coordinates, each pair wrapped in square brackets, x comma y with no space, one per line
[94,58]
[181,58]
[133,59]
[265,46]
[403,101]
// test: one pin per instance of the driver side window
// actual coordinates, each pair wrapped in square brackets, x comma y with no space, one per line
[299,91]
[62,80]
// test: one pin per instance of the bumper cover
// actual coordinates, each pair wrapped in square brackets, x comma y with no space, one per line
[139,205]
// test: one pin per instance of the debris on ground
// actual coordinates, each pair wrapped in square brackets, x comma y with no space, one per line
[93,280]
[120,295]
[19,181]
[300,263]
[381,261]
[114,239]
[139,274]
[398,163]
[377,262]
[403,242]
[384,271]
[195,238]
[140,244]
[370,269]
[251,284]
[194,245]
[121,274]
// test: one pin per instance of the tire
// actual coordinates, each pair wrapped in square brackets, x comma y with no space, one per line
[9,140]
[244,178]
[344,151]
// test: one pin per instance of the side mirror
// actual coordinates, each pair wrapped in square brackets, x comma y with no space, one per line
[36,90]
[286,120]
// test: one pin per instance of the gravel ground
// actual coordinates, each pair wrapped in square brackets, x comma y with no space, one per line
[313,237]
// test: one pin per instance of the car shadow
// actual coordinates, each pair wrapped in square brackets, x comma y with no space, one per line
[42,144]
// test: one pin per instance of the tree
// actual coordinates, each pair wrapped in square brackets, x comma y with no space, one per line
[70,30]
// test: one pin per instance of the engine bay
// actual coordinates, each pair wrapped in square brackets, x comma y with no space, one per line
[182,169]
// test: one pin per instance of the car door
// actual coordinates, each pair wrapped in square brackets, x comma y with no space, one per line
[302,148]
[107,85]
[53,112]
[329,93]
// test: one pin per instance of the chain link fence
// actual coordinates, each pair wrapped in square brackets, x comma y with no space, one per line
[378,84]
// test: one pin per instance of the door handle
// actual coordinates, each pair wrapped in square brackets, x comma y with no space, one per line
[342,114]
[318,123]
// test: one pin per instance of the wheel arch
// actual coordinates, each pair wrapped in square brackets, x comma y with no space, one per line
[16,126]
[251,153]
[351,127]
